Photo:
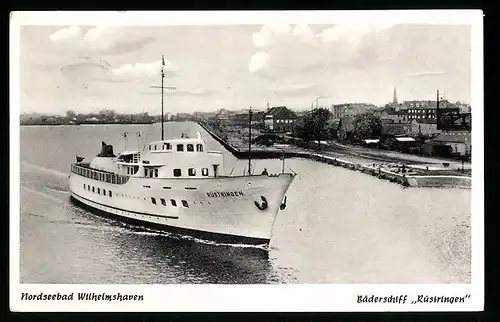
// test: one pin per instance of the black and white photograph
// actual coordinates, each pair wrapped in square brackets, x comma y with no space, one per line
[274,152]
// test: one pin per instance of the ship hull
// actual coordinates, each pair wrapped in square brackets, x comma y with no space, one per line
[225,209]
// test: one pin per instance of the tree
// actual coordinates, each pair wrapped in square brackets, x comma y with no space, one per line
[367,125]
[314,125]
[70,114]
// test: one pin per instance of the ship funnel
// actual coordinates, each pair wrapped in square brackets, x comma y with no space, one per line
[106,151]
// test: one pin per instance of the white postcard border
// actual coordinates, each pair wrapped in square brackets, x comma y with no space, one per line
[297,298]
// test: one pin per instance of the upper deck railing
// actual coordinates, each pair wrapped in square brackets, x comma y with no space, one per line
[84,170]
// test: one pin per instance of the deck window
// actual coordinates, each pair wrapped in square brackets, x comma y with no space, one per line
[153,200]
[204,172]
[185,204]
[172,201]
[104,191]
[199,147]
[98,190]
[84,187]
[163,202]
[110,193]
[191,172]
[180,147]
[177,172]
[156,173]
[93,189]
[167,146]
[190,148]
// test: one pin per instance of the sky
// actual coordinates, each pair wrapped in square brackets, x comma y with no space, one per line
[90,68]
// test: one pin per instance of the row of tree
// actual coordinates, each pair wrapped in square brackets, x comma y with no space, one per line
[317,126]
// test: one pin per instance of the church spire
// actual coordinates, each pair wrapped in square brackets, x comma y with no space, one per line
[395,97]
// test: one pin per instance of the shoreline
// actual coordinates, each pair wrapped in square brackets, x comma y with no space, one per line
[437,180]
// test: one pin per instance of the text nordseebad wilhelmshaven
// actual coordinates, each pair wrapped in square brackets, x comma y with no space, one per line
[81,297]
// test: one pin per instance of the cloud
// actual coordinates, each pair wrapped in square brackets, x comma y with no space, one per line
[258,61]
[143,70]
[83,72]
[65,34]
[108,40]
[284,51]
[267,33]
[425,73]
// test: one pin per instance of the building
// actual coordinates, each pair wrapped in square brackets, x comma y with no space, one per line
[345,129]
[338,111]
[394,116]
[458,142]
[351,109]
[279,119]
[401,143]
[396,128]
[427,127]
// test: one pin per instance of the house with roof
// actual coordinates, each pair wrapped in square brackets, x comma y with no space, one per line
[427,127]
[393,128]
[345,128]
[459,142]
[279,119]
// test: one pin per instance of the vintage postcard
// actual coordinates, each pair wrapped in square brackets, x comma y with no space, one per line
[246,161]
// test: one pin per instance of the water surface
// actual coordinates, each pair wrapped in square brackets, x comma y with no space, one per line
[340,226]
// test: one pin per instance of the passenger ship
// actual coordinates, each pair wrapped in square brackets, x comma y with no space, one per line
[178,185]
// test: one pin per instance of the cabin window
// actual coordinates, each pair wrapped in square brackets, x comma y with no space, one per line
[190,148]
[99,190]
[153,200]
[163,202]
[191,172]
[149,147]
[84,186]
[110,193]
[199,147]
[146,171]
[128,170]
[185,204]
[167,146]
[172,201]
[180,147]
[93,189]
[204,172]
[150,173]
[177,172]
[156,173]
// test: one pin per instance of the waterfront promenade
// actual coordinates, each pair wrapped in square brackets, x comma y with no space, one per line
[405,169]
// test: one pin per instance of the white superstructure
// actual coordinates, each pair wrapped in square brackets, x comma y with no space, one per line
[178,185]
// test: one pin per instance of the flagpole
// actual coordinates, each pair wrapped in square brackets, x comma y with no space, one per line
[162,76]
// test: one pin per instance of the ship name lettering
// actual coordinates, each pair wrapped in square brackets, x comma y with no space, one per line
[215,194]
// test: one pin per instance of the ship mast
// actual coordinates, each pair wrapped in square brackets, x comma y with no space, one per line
[249,140]
[162,92]
[162,78]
